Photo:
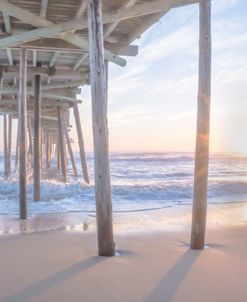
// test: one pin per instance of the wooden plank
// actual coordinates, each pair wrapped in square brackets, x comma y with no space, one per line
[81,143]
[37,21]
[203,123]
[22,116]
[137,10]
[61,144]
[106,245]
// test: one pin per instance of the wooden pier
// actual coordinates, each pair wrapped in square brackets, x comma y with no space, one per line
[48,50]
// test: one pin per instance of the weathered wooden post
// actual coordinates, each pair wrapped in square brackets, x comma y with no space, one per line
[48,149]
[37,138]
[9,144]
[61,143]
[5,145]
[203,123]
[30,148]
[58,155]
[106,243]
[70,150]
[81,143]
[22,116]
[17,146]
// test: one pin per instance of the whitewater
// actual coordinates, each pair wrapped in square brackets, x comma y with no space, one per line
[141,183]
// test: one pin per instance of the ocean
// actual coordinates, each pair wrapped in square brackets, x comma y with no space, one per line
[141,183]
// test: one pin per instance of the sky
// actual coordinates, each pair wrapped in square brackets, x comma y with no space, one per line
[152,101]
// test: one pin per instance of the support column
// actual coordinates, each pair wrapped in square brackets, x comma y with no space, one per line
[30,148]
[5,145]
[81,143]
[203,123]
[72,159]
[106,245]
[22,116]
[17,146]
[48,149]
[37,138]
[9,144]
[58,154]
[61,143]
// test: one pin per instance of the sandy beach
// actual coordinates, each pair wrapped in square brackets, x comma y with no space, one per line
[149,266]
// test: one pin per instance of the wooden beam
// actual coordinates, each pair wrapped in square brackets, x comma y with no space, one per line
[43,9]
[149,20]
[30,18]
[57,45]
[106,245]
[51,44]
[10,57]
[22,116]
[137,10]
[109,17]
[61,98]
[109,28]
[53,59]
[81,8]
[31,70]
[45,87]
[79,61]
[8,29]
[123,49]
[50,72]
[37,138]
[81,143]
[34,57]
[45,103]
[203,124]
[7,23]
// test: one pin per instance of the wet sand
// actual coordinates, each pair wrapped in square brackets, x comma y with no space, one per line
[155,266]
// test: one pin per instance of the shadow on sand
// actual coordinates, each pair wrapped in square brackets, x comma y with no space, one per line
[29,292]
[168,286]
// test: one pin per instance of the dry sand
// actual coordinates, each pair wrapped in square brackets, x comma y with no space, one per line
[62,266]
